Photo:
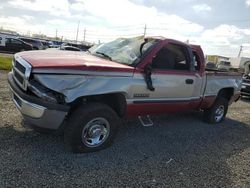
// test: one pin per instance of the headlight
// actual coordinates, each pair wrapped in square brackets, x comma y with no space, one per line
[45,93]
[62,84]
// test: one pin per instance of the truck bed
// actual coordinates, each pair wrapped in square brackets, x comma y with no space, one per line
[221,79]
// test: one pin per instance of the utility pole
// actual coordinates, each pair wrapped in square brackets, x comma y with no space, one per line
[77,31]
[56,33]
[241,48]
[84,34]
[145,30]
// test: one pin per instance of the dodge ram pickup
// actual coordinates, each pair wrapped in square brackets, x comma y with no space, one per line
[87,94]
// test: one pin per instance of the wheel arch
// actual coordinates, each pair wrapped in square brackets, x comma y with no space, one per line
[116,101]
[226,93]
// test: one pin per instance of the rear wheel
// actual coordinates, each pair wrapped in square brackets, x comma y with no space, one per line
[90,128]
[217,112]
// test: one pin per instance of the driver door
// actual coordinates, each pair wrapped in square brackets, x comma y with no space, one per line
[177,85]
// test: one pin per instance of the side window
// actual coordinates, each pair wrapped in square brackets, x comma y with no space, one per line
[197,62]
[26,40]
[14,41]
[172,57]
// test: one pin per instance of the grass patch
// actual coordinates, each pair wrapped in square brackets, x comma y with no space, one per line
[5,63]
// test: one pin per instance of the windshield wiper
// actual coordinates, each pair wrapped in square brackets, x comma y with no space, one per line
[105,55]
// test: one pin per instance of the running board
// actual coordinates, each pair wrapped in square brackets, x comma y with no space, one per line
[145,121]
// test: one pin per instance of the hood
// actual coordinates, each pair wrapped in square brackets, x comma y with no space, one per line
[80,61]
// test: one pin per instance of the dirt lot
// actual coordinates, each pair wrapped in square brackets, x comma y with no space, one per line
[179,151]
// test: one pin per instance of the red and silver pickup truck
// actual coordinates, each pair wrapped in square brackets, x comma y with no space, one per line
[87,94]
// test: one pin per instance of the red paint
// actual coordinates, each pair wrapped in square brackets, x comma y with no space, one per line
[56,59]
[207,102]
[197,51]
[163,108]
[160,108]
[195,48]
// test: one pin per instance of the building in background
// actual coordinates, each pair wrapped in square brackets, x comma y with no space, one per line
[216,58]
[242,63]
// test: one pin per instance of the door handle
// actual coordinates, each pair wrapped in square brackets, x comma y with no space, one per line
[189,81]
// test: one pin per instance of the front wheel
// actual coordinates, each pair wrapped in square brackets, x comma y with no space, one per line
[217,112]
[90,128]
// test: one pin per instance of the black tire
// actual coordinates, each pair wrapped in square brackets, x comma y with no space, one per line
[217,112]
[77,132]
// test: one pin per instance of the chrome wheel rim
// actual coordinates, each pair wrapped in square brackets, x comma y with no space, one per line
[219,113]
[95,132]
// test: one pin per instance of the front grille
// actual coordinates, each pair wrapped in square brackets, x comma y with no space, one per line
[18,77]
[21,71]
[20,67]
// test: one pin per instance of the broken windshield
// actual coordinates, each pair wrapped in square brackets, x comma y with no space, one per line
[124,50]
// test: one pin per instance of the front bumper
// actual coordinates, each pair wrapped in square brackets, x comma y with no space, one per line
[36,111]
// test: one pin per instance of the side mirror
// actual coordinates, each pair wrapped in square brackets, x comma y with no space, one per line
[147,77]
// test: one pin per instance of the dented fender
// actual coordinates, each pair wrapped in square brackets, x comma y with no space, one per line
[75,86]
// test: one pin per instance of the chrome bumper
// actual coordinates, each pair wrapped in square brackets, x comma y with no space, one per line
[45,116]
[27,108]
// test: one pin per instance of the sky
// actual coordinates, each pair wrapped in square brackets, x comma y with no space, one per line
[219,26]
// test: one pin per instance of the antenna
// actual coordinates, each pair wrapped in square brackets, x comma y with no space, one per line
[84,35]
[241,48]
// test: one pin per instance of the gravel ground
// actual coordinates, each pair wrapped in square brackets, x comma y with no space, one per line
[178,151]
